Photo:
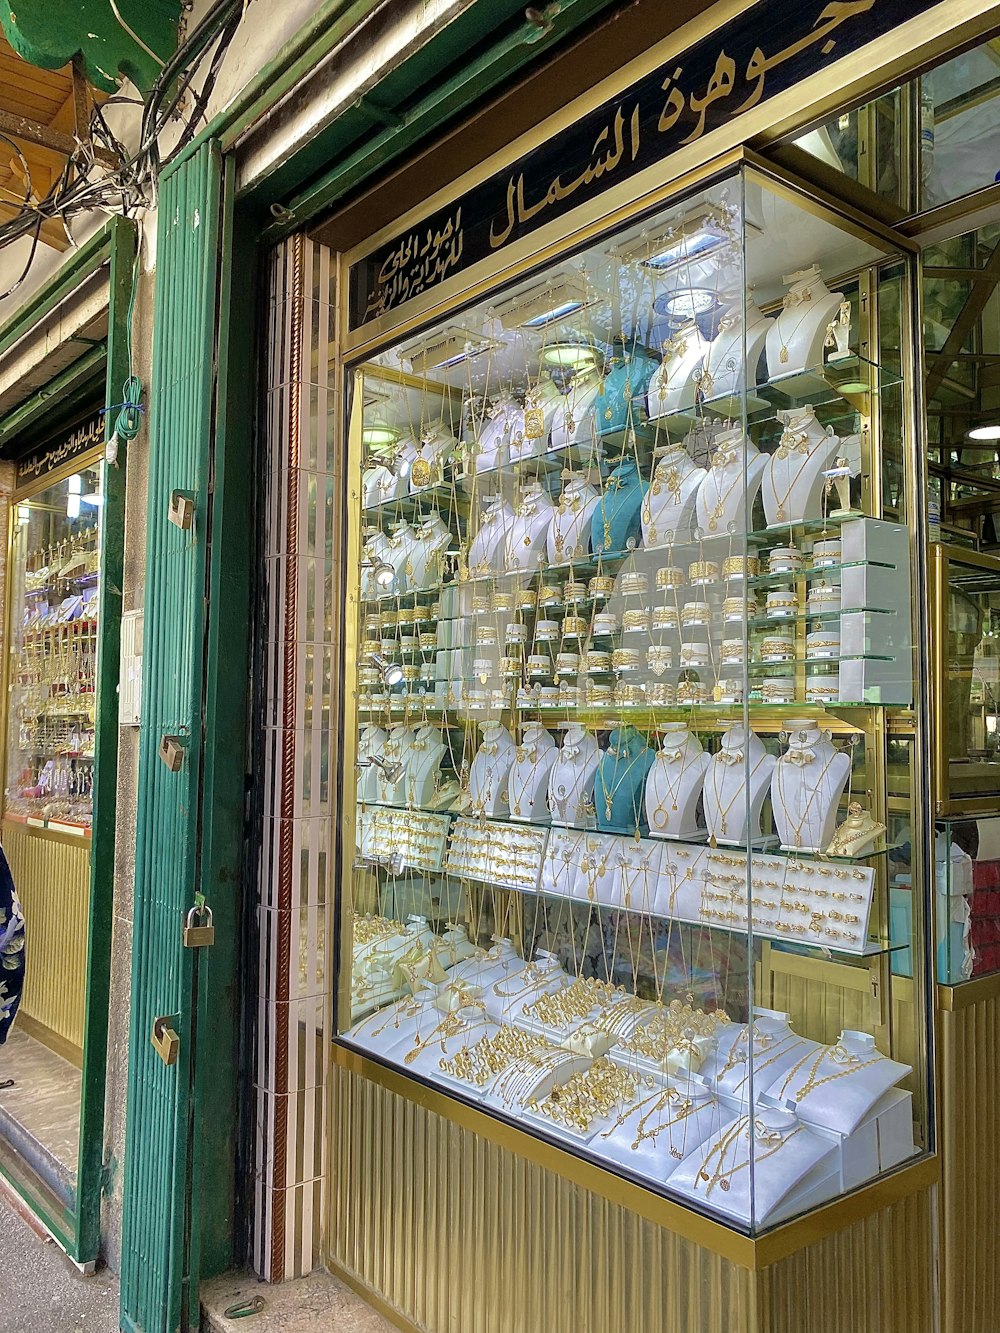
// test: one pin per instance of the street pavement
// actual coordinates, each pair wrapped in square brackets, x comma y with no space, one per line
[41,1291]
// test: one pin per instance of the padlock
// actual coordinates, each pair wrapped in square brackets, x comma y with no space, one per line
[166,1042]
[200,936]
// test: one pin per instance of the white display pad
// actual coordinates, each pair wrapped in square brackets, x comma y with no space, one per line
[574,423]
[659,1128]
[417,836]
[492,449]
[836,1086]
[776,1047]
[717,1173]
[476,847]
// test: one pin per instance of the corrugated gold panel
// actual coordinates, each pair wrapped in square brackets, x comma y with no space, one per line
[53,881]
[877,1276]
[459,1234]
[969,1130]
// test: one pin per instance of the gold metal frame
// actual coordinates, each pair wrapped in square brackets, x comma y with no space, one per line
[942,554]
[603,218]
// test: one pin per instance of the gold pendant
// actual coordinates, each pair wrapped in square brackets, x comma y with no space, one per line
[534,423]
[779,513]
[712,842]
[783,355]
[608,414]
[712,525]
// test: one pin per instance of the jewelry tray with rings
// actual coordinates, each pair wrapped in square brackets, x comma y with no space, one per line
[416,837]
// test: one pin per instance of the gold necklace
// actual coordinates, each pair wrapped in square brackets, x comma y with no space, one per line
[718,797]
[797,828]
[793,299]
[840,1055]
[684,1107]
[719,510]
[672,792]
[724,1178]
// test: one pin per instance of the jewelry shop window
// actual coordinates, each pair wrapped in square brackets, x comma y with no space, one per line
[635,756]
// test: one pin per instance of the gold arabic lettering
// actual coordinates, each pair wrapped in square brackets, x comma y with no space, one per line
[420,260]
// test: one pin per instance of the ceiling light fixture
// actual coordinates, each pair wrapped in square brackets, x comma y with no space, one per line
[547,302]
[984,433]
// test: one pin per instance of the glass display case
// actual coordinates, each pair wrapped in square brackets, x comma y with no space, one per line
[966,674]
[632,706]
[53,590]
[967,898]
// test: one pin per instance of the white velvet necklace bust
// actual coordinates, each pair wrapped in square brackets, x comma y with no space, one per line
[674,784]
[568,535]
[795,339]
[727,493]
[571,779]
[490,770]
[795,478]
[668,507]
[488,546]
[423,764]
[736,343]
[526,539]
[528,783]
[674,386]
[806,786]
[736,787]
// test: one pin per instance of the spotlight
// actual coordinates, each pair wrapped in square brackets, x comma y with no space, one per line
[392,672]
[384,574]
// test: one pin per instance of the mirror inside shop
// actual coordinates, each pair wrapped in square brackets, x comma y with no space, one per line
[634,732]
[53,655]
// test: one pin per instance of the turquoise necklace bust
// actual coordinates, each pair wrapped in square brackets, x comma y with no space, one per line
[621,399]
[620,782]
[617,519]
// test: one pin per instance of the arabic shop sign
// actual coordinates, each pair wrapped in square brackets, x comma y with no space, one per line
[53,456]
[763,52]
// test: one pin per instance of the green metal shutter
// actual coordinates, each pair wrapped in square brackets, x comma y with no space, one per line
[159,1277]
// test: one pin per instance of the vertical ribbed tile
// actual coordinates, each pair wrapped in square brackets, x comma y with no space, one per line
[294,763]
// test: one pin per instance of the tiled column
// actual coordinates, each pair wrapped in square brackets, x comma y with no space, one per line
[294,767]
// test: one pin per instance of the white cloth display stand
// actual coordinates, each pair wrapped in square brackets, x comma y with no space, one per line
[736,786]
[492,448]
[571,779]
[717,1173]
[674,784]
[795,339]
[854,1074]
[431,539]
[661,1128]
[574,421]
[380,483]
[489,965]
[423,764]
[490,771]
[726,495]
[674,387]
[568,535]
[723,373]
[399,553]
[506,997]
[668,507]
[776,1047]
[528,783]
[526,539]
[795,477]
[488,546]
[806,785]
[371,742]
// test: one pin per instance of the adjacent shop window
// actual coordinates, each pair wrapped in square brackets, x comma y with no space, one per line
[868,145]
[631,707]
[53,654]
[960,126]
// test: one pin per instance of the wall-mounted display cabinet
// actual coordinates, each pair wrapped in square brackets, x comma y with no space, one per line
[639,780]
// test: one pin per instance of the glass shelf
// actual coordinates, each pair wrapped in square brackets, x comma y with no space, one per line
[809,572]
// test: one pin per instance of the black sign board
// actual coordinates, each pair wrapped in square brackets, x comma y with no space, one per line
[771,47]
[52,456]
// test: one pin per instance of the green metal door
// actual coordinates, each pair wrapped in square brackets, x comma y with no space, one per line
[159,1266]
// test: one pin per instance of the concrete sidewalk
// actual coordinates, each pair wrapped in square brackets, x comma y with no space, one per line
[41,1291]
